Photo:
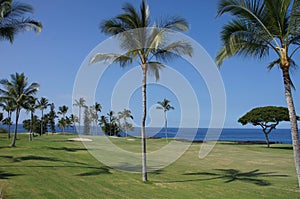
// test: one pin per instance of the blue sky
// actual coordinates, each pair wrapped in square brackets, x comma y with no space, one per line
[71,31]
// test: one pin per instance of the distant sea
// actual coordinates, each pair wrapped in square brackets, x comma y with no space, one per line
[227,134]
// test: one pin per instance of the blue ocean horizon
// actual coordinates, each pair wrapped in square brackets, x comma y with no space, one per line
[227,134]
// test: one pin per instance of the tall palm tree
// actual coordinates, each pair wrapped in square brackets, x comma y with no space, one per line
[259,27]
[8,106]
[63,111]
[19,91]
[123,115]
[43,104]
[145,45]
[81,104]
[13,19]
[165,106]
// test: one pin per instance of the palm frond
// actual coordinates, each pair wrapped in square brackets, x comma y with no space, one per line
[175,23]
[123,60]
[241,38]
[273,63]
[276,16]
[173,50]
[132,12]
[26,25]
[14,19]
[251,12]
[154,68]
[145,14]
[293,29]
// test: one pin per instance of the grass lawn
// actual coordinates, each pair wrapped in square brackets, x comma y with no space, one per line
[52,167]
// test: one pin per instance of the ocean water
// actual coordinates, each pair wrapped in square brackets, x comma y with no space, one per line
[227,134]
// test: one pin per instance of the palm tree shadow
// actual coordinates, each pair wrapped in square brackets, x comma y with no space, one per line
[96,171]
[68,149]
[232,175]
[5,175]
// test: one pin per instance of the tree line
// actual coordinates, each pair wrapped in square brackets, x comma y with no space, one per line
[16,94]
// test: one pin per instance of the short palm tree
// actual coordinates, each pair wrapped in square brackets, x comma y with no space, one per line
[13,19]
[73,120]
[98,108]
[124,115]
[19,91]
[165,106]
[146,44]
[43,104]
[259,27]
[63,111]
[80,104]
[8,106]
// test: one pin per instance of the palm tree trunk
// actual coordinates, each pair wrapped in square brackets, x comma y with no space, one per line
[42,122]
[8,131]
[13,144]
[293,119]
[79,115]
[144,162]
[166,126]
[31,127]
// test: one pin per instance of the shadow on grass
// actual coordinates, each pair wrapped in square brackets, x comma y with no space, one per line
[283,147]
[137,168]
[96,171]
[5,175]
[232,175]
[38,158]
[68,149]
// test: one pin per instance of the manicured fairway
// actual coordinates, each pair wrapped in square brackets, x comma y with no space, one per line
[52,167]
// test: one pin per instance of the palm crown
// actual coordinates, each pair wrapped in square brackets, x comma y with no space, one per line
[261,26]
[143,42]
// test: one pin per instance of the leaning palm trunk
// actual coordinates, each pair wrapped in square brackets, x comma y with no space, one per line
[144,162]
[8,130]
[13,144]
[293,120]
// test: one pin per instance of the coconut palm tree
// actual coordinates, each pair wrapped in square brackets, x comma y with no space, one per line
[43,104]
[73,121]
[165,106]
[13,19]
[98,108]
[261,27]
[19,91]
[81,104]
[8,106]
[124,115]
[63,111]
[146,44]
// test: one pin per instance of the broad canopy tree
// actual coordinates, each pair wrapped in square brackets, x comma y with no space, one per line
[267,118]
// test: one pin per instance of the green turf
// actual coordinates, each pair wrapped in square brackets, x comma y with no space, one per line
[52,167]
